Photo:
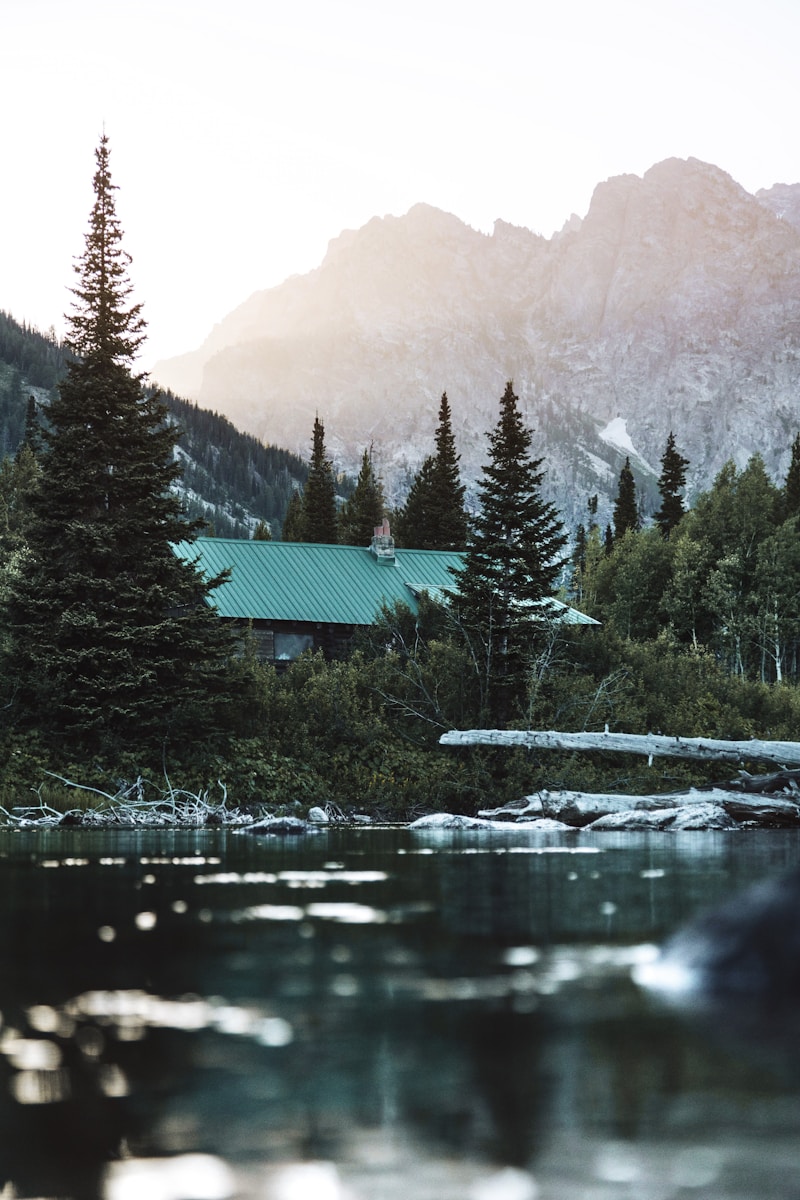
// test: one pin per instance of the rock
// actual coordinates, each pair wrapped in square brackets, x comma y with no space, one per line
[673,305]
[361,819]
[318,816]
[545,825]
[278,825]
[749,947]
[450,821]
[689,816]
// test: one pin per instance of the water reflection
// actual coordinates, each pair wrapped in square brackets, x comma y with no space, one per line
[371,1015]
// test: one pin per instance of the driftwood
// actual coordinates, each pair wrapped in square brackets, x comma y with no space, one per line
[650,745]
[131,806]
[579,809]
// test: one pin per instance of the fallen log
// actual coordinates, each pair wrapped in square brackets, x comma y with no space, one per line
[579,809]
[650,745]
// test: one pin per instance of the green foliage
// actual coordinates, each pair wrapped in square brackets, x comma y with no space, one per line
[791,487]
[670,486]
[434,517]
[111,641]
[626,512]
[511,563]
[363,510]
[317,521]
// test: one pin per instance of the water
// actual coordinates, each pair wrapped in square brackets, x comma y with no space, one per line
[374,1014]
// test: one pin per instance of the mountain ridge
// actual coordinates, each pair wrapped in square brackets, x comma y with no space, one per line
[674,304]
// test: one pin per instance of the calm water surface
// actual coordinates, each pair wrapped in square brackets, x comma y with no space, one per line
[375,1014]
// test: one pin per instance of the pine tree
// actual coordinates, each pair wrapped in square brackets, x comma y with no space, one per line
[262,532]
[417,523]
[626,512]
[434,517]
[363,510]
[33,431]
[670,486]
[112,643]
[319,496]
[791,489]
[292,530]
[512,558]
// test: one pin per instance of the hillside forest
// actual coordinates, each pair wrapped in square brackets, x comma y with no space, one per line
[115,668]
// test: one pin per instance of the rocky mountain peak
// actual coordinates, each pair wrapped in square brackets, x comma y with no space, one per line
[674,305]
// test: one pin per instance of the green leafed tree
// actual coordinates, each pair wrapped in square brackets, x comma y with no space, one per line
[626,512]
[363,510]
[112,643]
[670,486]
[512,560]
[434,516]
[319,523]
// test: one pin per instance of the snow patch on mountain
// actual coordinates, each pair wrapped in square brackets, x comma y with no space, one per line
[616,434]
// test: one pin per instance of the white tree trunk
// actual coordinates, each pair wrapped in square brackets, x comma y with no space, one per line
[650,744]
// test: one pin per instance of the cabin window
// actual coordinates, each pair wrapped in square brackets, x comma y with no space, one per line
[289,646]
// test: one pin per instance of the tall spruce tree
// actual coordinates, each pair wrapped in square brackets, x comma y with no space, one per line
[319,523]
[111,642]
[626,512]
[363,510]
[512,559]
[434,517]
[670,486]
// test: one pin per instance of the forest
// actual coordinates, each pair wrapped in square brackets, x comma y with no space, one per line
[230,480]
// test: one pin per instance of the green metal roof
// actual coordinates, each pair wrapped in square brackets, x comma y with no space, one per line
[300,581]
[344,585]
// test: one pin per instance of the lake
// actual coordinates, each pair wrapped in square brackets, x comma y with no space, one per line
[375,1014]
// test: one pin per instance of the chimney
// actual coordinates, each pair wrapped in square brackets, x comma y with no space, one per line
[382,544]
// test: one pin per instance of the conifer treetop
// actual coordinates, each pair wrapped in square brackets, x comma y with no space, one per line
[104,321]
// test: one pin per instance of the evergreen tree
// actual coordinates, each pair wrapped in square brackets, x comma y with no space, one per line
[319,497]
[578,559]
[363,510]
[292,529]
[434,517]
[112,643]
[512,558]
[33,431]
[449,491]
[670,486]
[626,513]
[791,489]
[262,532]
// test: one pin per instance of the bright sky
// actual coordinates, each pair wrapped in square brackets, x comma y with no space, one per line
[245,134]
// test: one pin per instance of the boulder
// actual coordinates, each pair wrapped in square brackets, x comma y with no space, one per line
[450,821]
[278,825]
[685,817]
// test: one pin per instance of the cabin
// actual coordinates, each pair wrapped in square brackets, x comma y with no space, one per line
[297,596]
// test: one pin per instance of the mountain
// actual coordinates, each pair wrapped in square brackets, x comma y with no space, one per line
[783,199]
[230,479]
[673,305]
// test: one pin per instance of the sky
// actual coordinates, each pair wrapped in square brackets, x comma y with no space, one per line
[246,134]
